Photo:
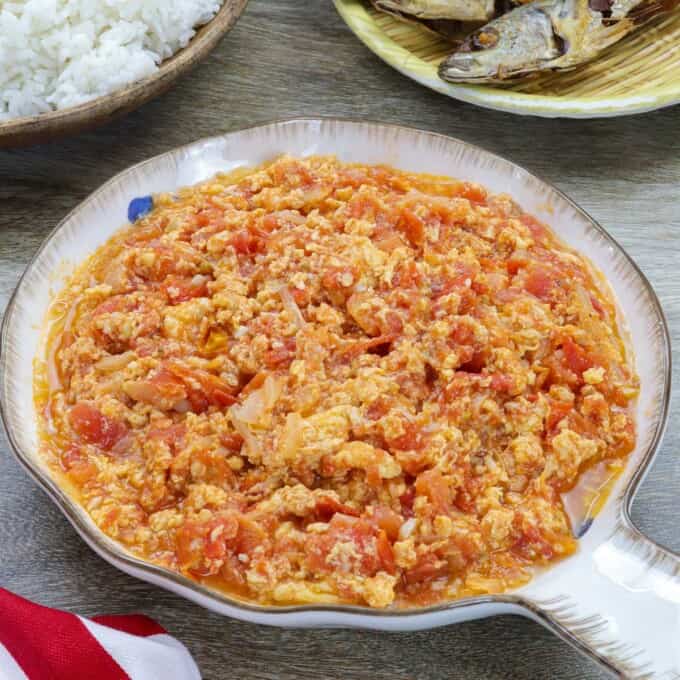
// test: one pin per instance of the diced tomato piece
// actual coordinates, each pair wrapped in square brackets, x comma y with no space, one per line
[370,552]
[214,467]
[412,462]
[120,303]
[532,544]
[559,373]
[162,391]
[585,426]
[213,390]
[148,321]
[250,536]
[367,346]
[597,305]
[146,231]
[284,218]
[473,192]
[353,177]
[625,442]
[501,382]
[339,278]
[217,391]
[464,502]
[115,303]
[164,264]
[411,439]
[180,289]
[189,542]
[406,499]
[168,385]
[202,219]
[467,494]
[462,338]
[476,362]
[214,540]
[378,408]
[373,478]
[433,485]
[538,230]
[444,284]
[198,401]
[393,324]
[302,298]
[96,428]
[575,357]
[407,275]
[327,506]
[428,568]
[540,282]
[281,357]
[387,240]
[254,383]
[72,456]
[387,520]
[385,553]
[463,334]
[77,465]
[232,441]
[291,173]
[171,435]
[412,227]
[362,206]
[219,532]
[559,410]
[248,242]
[441,285]
[518,260]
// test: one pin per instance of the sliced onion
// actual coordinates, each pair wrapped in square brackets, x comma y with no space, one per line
[53,379]
[272,389]
[114,362]
[182,406]
[252,408]
[407,528]
[291,437]
[291,306]
[259,401]
[250,440]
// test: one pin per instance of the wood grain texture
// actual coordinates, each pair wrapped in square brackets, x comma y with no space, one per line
[287,58]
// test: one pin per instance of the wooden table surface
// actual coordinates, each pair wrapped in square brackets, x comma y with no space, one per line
[288,58]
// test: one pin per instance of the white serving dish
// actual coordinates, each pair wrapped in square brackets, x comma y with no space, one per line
[617,599]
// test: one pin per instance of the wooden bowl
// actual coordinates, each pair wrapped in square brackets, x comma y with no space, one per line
[47,126]
[640,73]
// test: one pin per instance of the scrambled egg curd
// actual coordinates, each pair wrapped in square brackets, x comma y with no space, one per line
[326,383]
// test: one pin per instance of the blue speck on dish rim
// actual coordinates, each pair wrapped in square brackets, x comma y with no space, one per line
[139,207]
[585,525]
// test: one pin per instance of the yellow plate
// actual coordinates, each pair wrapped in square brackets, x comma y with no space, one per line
[640,73]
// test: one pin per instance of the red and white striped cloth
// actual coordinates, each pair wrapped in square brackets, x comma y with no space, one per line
[39,643]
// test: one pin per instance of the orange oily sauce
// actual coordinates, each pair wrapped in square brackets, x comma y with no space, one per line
[318,382]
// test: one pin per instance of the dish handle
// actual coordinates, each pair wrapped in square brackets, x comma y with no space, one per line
[623,610]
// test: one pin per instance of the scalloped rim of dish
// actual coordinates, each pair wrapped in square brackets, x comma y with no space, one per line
[357,18]
[129,97]
[346,615]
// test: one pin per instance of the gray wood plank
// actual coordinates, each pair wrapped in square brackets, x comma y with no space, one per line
[288,58]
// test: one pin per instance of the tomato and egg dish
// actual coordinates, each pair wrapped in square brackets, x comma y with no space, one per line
[316,382]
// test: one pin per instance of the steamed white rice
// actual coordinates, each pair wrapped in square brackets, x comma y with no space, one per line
[60,53]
